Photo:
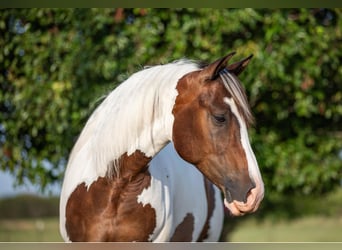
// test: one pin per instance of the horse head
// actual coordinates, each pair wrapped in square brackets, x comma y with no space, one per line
[211,117]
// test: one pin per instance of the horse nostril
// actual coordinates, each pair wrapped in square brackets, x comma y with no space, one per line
[238,190]
[249,190]
[228,195]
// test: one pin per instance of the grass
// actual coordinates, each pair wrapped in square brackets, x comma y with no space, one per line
[308,229]
[29,230]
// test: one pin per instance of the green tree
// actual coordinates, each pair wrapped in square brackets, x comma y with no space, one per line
[57,63]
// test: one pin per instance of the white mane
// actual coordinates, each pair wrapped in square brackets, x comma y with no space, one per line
[137,115]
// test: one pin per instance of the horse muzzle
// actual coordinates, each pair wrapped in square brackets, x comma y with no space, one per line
[248,205]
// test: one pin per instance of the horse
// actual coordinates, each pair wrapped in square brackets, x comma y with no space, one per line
[161,156]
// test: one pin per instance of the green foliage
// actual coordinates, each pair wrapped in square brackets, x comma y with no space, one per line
[56,64]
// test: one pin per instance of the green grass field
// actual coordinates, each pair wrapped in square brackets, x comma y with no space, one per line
[29,230]
[310,229]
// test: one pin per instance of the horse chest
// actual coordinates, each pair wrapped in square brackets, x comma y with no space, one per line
[154,208]
[109,211]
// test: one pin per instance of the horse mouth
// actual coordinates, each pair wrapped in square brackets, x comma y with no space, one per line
[249,205]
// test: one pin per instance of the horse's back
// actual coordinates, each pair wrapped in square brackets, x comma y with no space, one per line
[193,208]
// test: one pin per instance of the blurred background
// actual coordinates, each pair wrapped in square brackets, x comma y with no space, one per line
[56,64]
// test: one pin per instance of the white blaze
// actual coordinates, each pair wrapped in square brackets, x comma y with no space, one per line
[253,168]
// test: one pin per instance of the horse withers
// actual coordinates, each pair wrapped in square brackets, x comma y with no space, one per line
[155,156]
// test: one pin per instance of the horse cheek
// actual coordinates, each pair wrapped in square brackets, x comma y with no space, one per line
[184,141]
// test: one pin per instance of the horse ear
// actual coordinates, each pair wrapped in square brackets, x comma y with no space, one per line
[238,67]
[214,68]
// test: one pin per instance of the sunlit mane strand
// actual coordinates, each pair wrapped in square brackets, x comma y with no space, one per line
[238,93]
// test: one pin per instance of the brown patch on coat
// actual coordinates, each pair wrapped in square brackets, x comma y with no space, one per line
[184,230]
[108,210]
[210,194]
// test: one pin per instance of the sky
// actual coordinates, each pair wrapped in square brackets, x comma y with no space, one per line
[7,187]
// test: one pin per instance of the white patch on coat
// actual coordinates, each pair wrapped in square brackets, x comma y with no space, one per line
[253,168]
[216,220]
[176,190]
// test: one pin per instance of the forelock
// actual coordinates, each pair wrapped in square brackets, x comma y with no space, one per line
[236,90]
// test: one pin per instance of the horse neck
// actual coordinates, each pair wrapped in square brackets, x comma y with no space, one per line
[135,117]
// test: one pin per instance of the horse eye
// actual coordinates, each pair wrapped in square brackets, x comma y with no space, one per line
[220,118]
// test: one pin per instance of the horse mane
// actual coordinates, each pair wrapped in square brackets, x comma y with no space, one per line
[238,93]
[122,123]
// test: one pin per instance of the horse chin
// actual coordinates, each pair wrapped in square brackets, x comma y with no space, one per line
[233,209]
[238,208]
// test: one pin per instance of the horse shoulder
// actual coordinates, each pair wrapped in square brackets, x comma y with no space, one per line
[108,210]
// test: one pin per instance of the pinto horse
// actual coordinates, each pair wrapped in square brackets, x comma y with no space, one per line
[154,157]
